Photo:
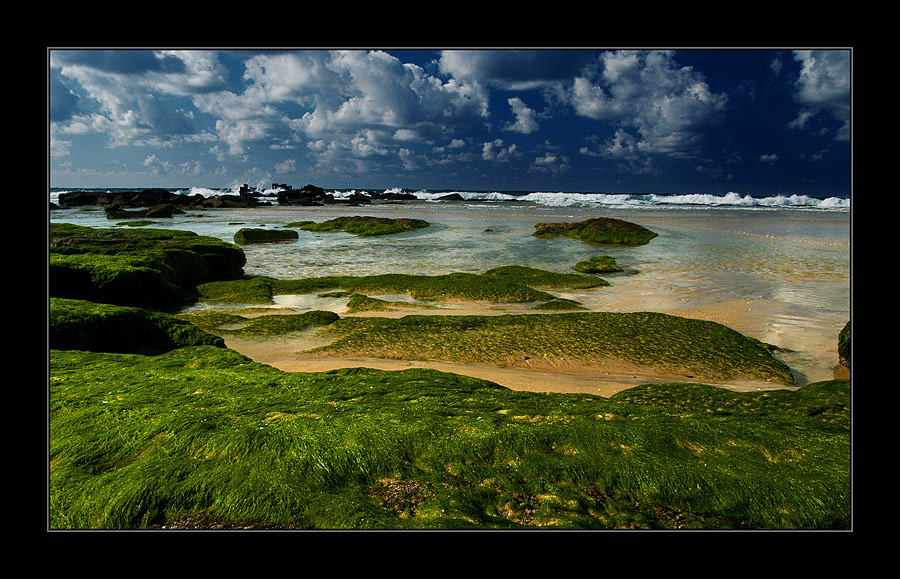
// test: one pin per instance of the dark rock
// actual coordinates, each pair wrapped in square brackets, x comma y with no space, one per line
[451,197]
[248,235]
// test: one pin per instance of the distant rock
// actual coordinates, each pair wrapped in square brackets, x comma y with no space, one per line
[451,197]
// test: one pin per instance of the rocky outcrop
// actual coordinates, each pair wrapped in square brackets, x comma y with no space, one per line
[150,198]
[249,235]
[599,230]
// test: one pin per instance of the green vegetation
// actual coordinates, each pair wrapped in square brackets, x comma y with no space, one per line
[202,437]
[362,225]
[267,325]
[598,231]
[598,264]
[83,325]
[548,280]
[559,304]
[250,235]
[449,287]
[844,346]
[154,424]
[144,267]
[702,349]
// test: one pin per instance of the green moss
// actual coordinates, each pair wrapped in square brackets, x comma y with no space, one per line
[598,264]
[700,348]
[449,287]
[266,325]
[844,346]
[83,325]
[560,304]
[250,235]
[144,267]
[202,437]
[542,279]
[363,225]
[598,231]
[137,223]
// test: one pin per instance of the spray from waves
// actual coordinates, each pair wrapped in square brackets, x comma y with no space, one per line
[650,201]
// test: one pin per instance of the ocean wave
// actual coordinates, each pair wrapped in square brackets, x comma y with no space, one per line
[635,201]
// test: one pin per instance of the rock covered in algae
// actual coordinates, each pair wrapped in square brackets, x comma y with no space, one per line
[363,225]
[598,230]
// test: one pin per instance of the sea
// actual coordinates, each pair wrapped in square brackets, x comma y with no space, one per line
[777,268]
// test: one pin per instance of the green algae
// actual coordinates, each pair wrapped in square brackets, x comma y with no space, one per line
[198,436]
[142,267]
[449,287]
[362,225]
[546,280]
[658,341]
[598,264]
[266,325]
[203,437]
[598,231]
[83,325]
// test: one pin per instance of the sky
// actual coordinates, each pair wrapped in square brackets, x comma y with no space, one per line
[750,121]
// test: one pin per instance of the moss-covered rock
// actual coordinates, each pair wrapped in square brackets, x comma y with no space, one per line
[700,348]
[450,287]
[253,235]
[265,325]
[363,225]
[598,231]
[844,346]
[145,267]
[83,325]
[546,280]
[598,264]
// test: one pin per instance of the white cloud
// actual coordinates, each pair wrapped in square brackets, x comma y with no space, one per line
[768,158]
[134,92]
[823,90]
[669,107]
[526,121]
[497,150]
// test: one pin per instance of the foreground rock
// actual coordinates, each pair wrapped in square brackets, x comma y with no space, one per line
[148,267]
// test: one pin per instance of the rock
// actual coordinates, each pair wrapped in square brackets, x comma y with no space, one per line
[451,197]
[844,346]
[248,235]
[599,230]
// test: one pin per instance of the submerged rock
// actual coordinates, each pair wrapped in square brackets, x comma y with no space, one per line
[249,235]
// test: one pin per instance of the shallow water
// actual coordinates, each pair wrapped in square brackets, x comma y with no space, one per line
[779,275]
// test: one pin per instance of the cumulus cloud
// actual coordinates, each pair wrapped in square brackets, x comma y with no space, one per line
[133,94]
[656,105]
[822,90]
[498,150]
[348,96]
[526,118]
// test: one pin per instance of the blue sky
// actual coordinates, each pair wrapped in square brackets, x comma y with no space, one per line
[756,122]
